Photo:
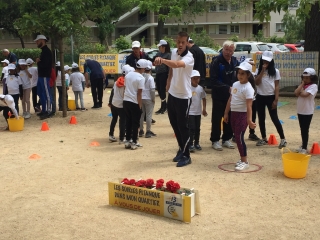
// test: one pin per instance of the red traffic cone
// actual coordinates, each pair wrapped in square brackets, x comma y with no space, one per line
[44,126]
[272,140]
[315,148]
[73,120]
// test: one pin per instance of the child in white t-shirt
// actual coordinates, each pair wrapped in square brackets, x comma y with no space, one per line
[306,93]
[198,95]
[78,86]
[240,103]
[26,78]
[148,100]
[14,85]
[5,73]
[59,83]
[34,82]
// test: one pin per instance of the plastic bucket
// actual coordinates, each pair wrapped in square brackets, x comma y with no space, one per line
[16,124]
[72,105]
[295,165]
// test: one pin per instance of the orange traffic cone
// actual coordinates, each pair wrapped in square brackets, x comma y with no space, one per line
[94,144]
[73,120]
[44,126]
[315,148]
[272,140]
[34,157]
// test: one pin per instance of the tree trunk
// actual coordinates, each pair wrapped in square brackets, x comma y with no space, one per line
[21,41]
[312,30]
[160,27]
[63,82]
[54,60]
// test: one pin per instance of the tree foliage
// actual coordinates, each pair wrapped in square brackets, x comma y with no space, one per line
[203,39]
[122,43]
[294,27]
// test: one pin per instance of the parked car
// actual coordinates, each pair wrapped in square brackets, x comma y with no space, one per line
[250,47]
[277,47]
[292,47]
[150,51]
[208,50]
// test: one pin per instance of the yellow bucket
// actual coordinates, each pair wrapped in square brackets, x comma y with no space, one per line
[72,105]
[16,124]
[295,165]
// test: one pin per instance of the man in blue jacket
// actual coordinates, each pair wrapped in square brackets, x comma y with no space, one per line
[222,76]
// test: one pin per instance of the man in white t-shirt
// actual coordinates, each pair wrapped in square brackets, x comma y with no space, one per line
[179,99]
[132,103]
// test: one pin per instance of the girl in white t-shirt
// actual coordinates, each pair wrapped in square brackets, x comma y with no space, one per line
[240,103]
[267,81]
[306,93]
[5,73]
[26,78]
[77,79]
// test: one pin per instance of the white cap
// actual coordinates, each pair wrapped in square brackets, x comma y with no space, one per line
[22,62]
[142,63]
[124,68]
[40,37]
[249,60]
[128,69]
[5,61]
[149,65]
[74,65]
[11,66]
[245,66]
[195,73]
[162,42]
[58,64]
[309,72]
[136,44]
[66,67]
[267,55]
[29,61]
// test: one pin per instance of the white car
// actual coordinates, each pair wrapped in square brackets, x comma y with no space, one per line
[277,47]
[251,47]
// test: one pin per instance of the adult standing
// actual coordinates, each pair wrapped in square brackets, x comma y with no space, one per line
[222,76]
[44,73]
[93,69]
[136,54]
[12,58]
[162,72]
[179,99]
[199,60]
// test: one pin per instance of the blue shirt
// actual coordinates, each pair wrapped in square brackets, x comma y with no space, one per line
[94,69]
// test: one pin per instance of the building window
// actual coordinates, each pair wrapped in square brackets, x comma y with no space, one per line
[223,29]
[212,29]
[223,7]
[184,29]
[212,7]
[294,4]
[234,29]
[234,6]
[174,30]
[279,27]
[198,30]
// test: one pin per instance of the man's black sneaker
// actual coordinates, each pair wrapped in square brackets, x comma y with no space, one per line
[95,107]
[41,114]
[153,121]
[192,148]
[253,137]
[198,147]
[51,114]
[150,134]
[45,116]
[184,161]
[159,111]
[141,133]
[178,156]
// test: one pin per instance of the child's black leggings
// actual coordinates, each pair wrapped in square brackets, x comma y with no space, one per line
[304,122]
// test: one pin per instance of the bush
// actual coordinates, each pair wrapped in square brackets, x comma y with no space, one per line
[122,43]
[204,40]
[24,53]
[170,41]
[234,38]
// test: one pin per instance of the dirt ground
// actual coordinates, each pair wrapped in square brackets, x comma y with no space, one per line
[64,194]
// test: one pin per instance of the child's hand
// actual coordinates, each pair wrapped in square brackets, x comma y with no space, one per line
[109,105]
[204,113]
[226,118]
[252,125]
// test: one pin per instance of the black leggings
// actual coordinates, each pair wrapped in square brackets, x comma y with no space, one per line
[118,112]
[304,122]
[97,91]
[194,129]
[161,83]
[133,114]
[262,103]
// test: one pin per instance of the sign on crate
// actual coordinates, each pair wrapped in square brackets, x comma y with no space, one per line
[153,201]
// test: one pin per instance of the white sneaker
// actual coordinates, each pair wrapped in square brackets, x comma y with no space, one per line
[303,151]
[134,146]
[298,149]
[283,143]
[127,145]
[228,144]
[139,144]
[27,115]
[217,146]
[242,166]
[123,142]
[112,139]
[238,163]
[24,114]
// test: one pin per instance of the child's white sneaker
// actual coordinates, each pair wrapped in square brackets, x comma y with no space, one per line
[112,139]
[27,115]
[242,166]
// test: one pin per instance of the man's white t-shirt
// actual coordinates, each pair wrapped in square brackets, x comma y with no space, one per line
[13,83]
[305,105]
[9,102]
[239,95]
[5,72]
[198,94]
[133,82]
[26,81]
[180,86]
[267,85]
[34,72]
[118,93]
[77,79]
[148,85]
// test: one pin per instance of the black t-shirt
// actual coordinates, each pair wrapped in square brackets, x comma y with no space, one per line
[45,63]
[199,60]
[132,59]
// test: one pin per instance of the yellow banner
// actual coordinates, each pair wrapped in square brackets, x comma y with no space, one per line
[109,62]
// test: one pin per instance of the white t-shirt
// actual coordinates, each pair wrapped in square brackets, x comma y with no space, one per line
[305,105]
[67,79]
[180,86]
[267,86]
[13,83]
[239,95]
[34,72]
[148,85]
[5,72]
[26,81]
[77,78]
[58,79]
[198,94]
[117,99]
[133,81]
[9,102]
